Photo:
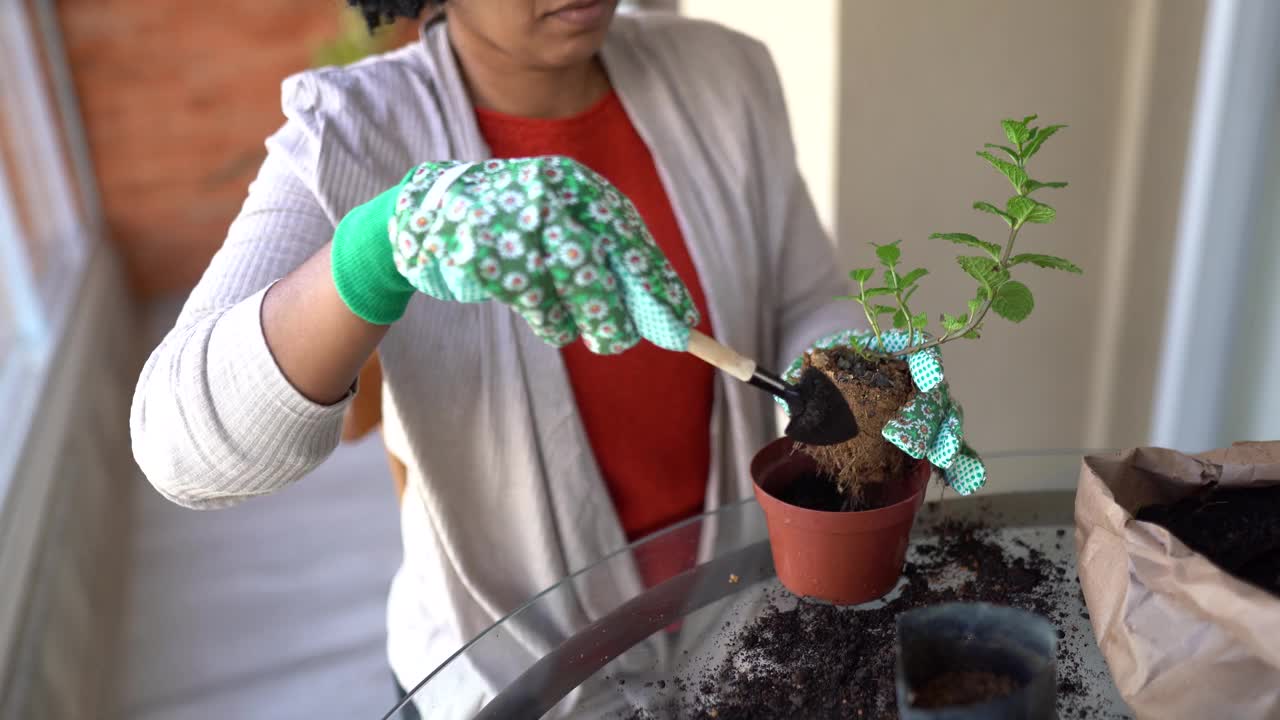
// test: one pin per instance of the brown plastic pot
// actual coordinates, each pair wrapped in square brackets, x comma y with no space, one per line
[844,558]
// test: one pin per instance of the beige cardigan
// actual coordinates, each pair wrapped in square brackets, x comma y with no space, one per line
[504,497]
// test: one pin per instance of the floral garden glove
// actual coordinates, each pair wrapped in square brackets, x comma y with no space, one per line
[930,425]
[548,237]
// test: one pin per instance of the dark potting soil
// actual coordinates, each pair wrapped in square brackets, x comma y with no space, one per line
[818,662]
[964,687]
[1237,528]
[874,390]
[819,492]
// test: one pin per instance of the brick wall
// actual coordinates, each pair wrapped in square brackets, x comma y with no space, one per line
[177,99]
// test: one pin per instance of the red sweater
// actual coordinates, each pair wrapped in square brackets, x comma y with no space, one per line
[647,412]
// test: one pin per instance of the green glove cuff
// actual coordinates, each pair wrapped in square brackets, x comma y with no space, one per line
[362,262]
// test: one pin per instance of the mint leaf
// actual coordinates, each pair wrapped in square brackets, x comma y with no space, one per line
[985,270]
[971,335]
[1038,139]
[862,275]
[891,279]
[975,304]
[1020,208]
[889,253]
[1033,185]
[1016,131]
[920,322]
[872,292]
[1016,175]
[883,309]
[988,207]
[1046,261]
[1029,119]
[910,291]
[990,248]
[911,277]
[899,320]
[1013,301]
[1042,214]
[1013,154]
[952,323]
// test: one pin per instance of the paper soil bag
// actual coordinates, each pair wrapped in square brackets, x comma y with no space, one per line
[1183,638]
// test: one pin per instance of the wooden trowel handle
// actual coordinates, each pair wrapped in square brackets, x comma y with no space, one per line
[727,359]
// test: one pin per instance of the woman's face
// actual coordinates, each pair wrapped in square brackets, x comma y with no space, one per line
[541,34]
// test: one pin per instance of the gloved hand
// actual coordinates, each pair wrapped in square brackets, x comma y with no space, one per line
[930,425]
[546,236]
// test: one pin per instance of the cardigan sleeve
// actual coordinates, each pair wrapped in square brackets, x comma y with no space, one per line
[213,419]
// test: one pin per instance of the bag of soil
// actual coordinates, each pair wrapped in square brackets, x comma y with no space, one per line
[1185,636]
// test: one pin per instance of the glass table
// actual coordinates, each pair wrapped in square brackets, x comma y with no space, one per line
[549,659]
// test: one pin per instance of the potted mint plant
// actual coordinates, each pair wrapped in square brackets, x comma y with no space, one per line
[839,515]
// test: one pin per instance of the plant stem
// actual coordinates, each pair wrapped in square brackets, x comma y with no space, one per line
[974,321]
[871,318]
[902,306]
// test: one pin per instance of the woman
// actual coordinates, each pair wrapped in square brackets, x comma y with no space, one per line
[524,461]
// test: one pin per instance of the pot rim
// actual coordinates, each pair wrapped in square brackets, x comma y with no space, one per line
[836,522]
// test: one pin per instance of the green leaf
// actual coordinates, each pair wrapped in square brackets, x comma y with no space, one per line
[862,275]
[872,292]
[1041,135]
[1016,175]
[1029,119]
[985,270]
[920,322]
[972,334]
[1033,185]
[1020,208]
[952,323]
[910,291]
[1013,154]
[1016,131]
[889,253]
[883,309]
[989,208]
[1046,261]
[989,248]
[910,278]
[899,320]
[1013,301]
[891,279]
[976,304]
[1042,214]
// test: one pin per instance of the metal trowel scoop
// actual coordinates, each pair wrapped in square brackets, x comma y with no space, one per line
[819,413]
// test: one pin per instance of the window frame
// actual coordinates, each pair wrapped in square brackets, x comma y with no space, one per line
[1236,97]
[42,112]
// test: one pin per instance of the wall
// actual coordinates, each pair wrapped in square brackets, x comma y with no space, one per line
[889,100]
[923,85]
[805,47]
[177,101]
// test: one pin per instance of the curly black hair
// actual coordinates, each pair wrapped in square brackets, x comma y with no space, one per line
[377,12]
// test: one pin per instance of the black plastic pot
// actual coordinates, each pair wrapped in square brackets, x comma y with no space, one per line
[978,637]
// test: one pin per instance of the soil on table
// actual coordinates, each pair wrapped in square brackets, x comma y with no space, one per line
[875,391]
[1237,528]
[821,662]
[966,687]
